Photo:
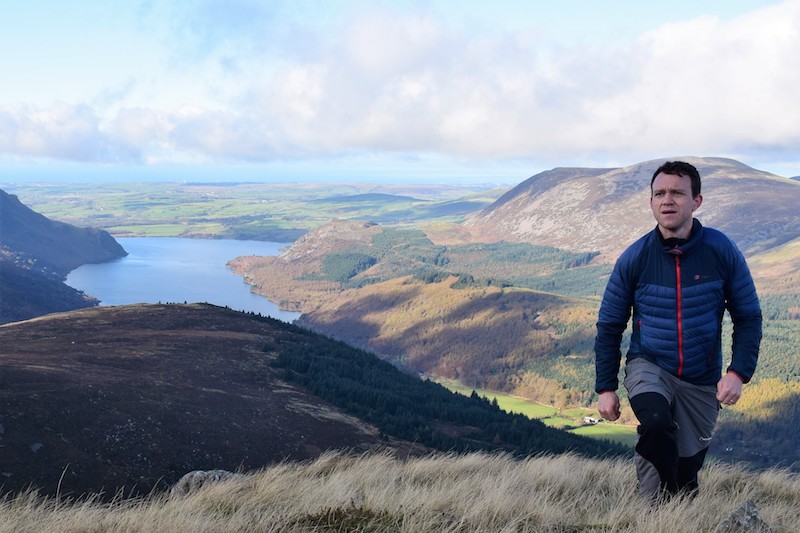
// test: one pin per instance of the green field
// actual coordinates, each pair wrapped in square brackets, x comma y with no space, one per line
[570,419]
[279,212]
[614,432]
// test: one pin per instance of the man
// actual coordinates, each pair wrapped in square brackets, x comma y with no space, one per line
[676,281]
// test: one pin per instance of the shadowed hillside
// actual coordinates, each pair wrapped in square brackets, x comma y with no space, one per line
[27,291]
[36,254]
[483,337]
[56,245]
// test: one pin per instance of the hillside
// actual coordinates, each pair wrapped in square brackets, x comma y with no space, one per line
[37,253]
[56,245]
[136,396]
[482,336]
[486,315]
[778,269]
[606,209]
[27,291]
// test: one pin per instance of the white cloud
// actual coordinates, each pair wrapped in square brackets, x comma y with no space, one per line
[405,81]
[60,131]
[711,86]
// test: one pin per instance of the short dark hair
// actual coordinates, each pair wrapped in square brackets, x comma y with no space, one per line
[679,168]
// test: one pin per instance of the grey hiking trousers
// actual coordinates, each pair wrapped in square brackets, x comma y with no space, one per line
[676,423]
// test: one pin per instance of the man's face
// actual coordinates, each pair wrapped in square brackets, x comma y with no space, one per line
[673,205]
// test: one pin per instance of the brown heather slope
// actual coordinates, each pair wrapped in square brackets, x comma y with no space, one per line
[606,209]
[136,396]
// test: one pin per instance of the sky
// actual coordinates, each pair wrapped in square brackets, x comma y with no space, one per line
[446,91]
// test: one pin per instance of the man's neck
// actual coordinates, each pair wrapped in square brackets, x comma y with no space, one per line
[673,239]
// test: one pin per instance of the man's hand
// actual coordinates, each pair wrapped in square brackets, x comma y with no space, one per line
[608,405]
[729,389]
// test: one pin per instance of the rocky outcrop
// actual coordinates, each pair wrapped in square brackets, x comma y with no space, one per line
[744,519]
[197,479]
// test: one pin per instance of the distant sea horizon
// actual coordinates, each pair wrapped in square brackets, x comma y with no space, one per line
[178,270]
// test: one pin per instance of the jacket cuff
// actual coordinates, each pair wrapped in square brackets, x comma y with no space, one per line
[737,375]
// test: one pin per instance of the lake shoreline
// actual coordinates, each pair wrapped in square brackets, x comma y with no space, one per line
[179,269]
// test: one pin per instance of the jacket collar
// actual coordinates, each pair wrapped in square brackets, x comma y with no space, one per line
[694,238]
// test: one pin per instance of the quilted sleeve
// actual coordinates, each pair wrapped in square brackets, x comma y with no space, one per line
[615,311]
[742,303]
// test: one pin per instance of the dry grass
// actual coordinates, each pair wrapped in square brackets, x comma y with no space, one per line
[447,493]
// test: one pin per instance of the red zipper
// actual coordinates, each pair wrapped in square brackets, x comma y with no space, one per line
[680,312]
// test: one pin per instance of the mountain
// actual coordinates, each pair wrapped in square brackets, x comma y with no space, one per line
[136,396]
[606,209]
[55,245]
[36,254]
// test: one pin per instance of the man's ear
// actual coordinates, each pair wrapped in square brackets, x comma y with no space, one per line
[697,201]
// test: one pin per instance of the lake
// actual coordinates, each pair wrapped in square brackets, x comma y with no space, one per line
[178,270]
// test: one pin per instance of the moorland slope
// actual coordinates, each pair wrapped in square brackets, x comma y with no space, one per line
[133,397]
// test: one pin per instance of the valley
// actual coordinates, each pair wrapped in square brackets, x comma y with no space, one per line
[495,290]
[279,212]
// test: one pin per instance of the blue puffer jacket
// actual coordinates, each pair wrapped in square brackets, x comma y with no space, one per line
[678,297]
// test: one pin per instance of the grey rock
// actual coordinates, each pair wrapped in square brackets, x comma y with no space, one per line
[196,479]
[744,518]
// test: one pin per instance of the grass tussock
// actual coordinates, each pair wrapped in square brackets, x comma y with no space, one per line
[442,493]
